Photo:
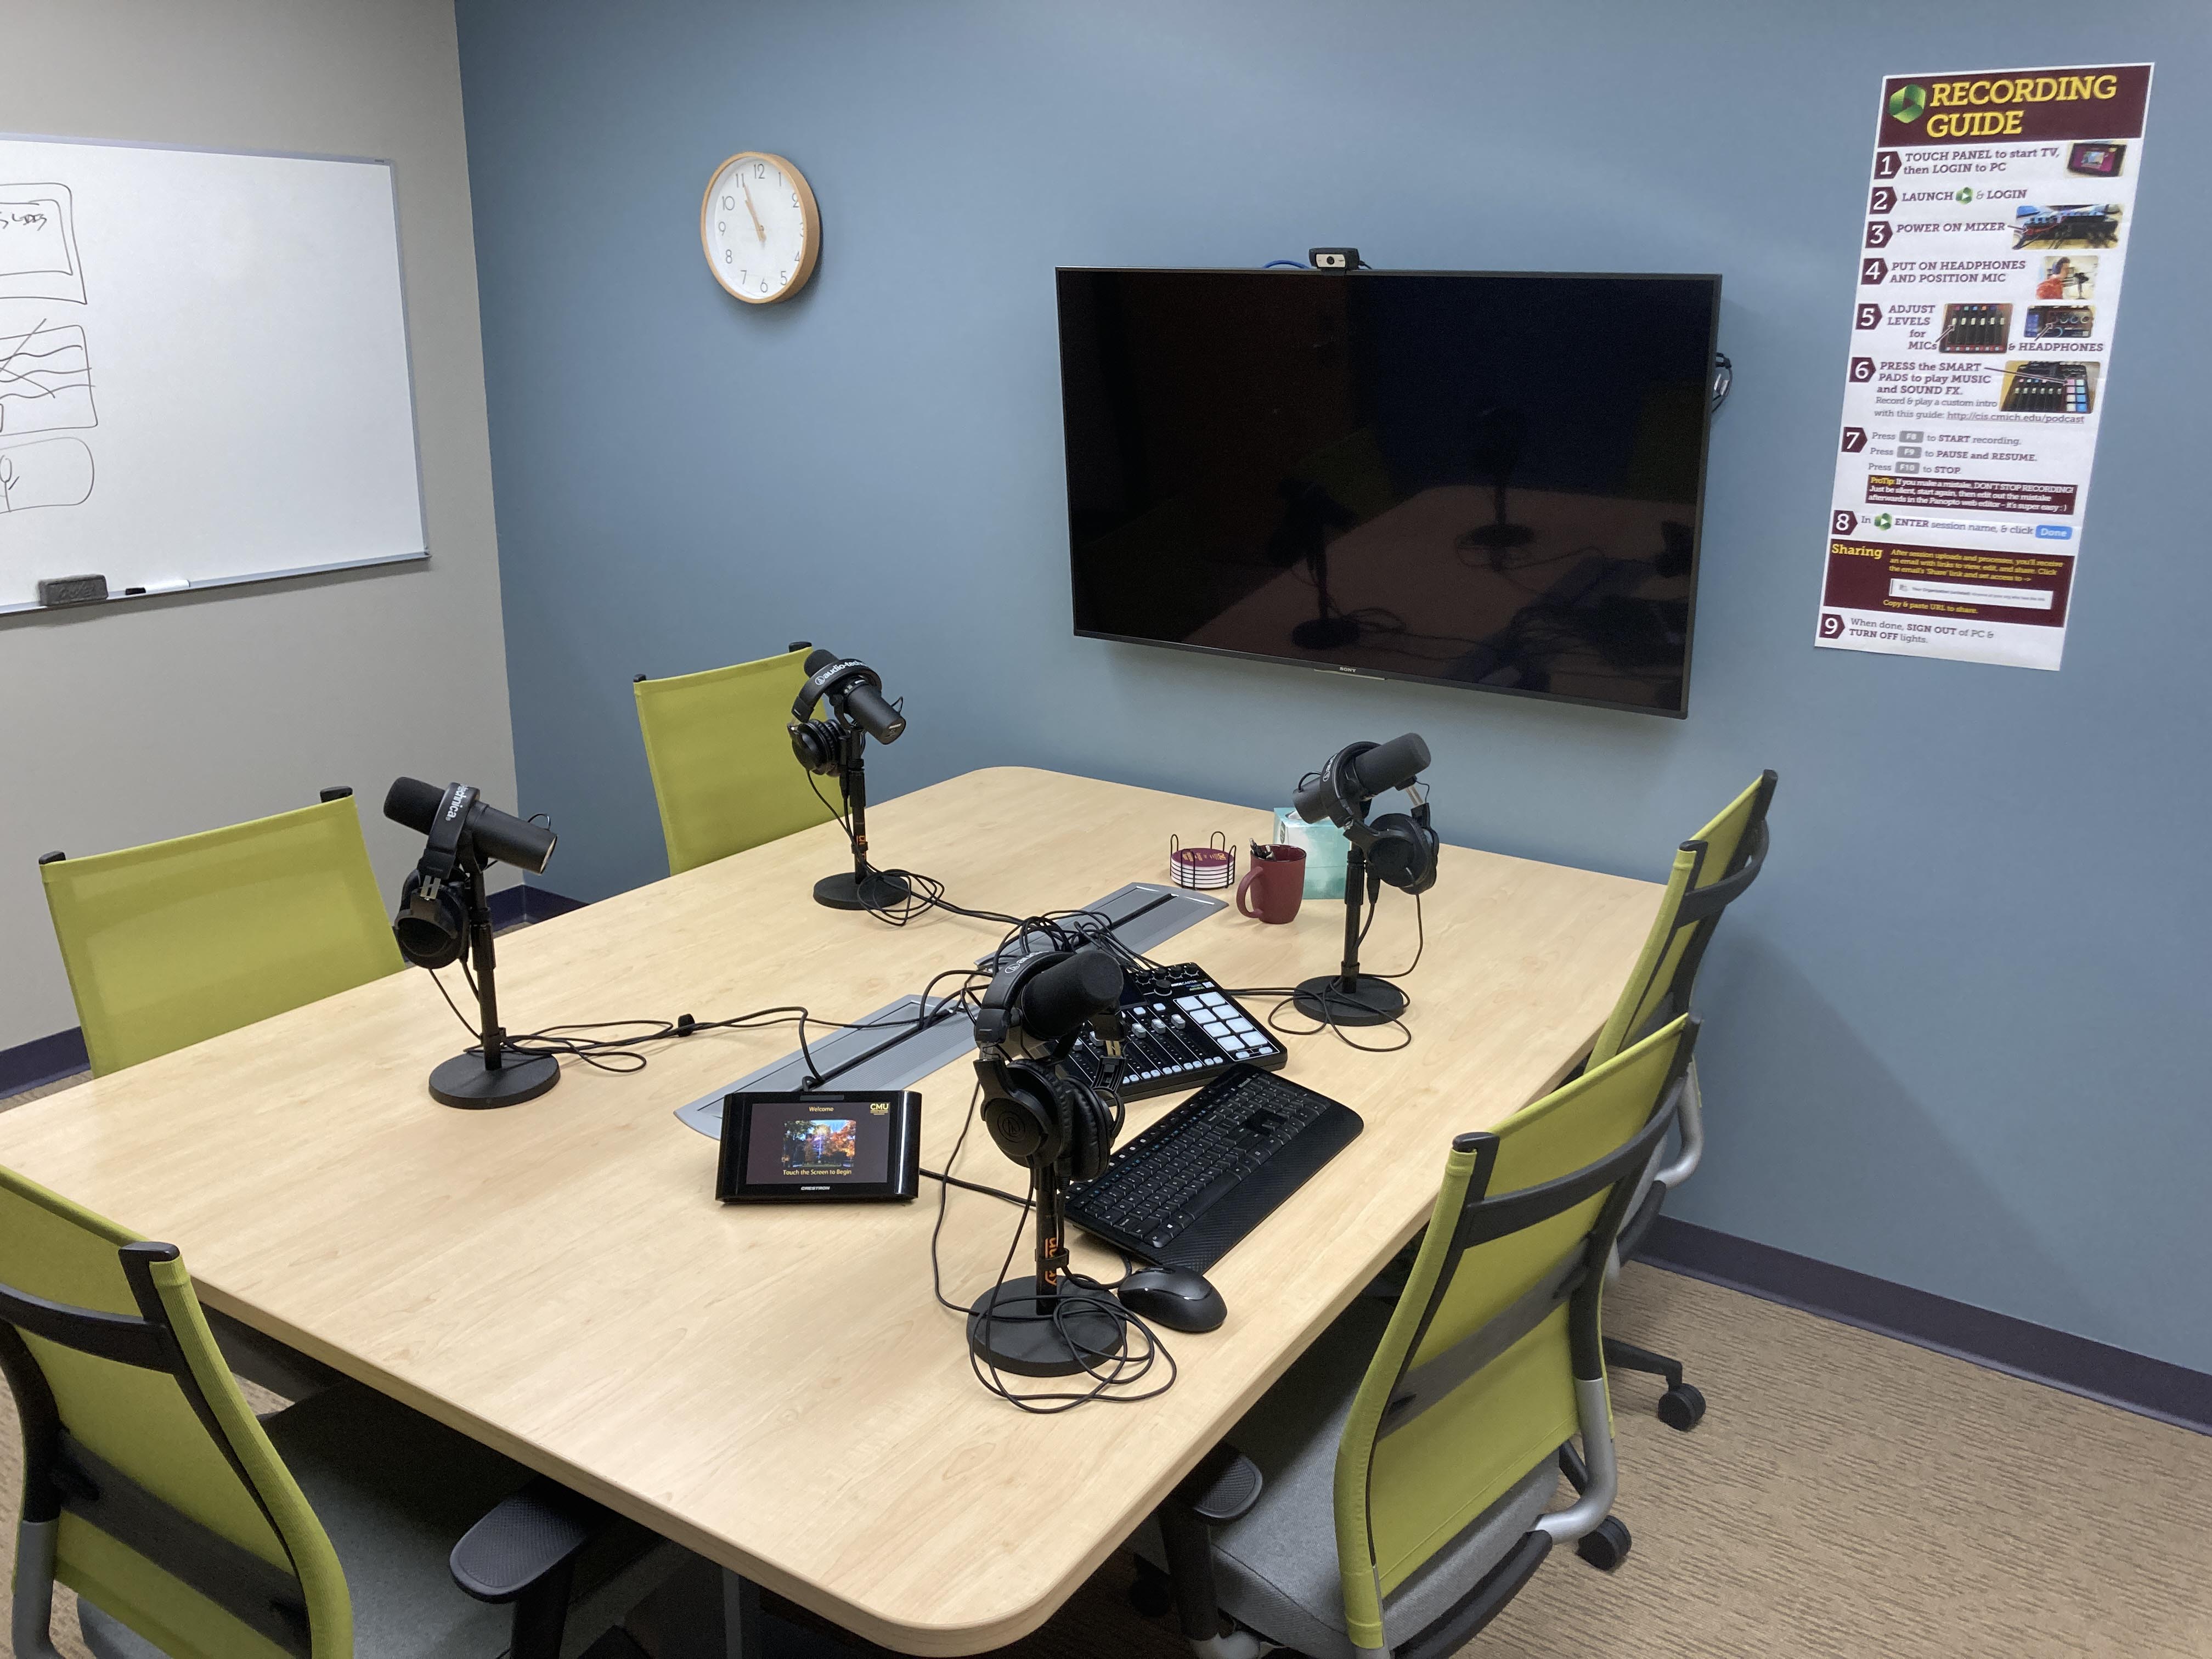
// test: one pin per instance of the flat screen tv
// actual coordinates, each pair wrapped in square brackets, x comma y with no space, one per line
[1468,478]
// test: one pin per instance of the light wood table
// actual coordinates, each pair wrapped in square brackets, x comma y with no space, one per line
[776,1389]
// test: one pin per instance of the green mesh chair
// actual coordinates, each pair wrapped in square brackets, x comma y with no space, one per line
[720,751]
[1711,870]
[1391,1493]
[172,943]
[347,1526]
[177,941]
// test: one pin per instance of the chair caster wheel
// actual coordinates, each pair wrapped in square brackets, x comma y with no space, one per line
[1682,1407]
[1152,1592]
[1606,1547]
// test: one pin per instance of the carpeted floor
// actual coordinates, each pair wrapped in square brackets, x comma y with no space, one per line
[1847,1495]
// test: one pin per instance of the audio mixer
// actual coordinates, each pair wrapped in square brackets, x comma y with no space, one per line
[1179,1030]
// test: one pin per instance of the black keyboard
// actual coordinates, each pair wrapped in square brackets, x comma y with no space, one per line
[1184,1192]
[1179,1028]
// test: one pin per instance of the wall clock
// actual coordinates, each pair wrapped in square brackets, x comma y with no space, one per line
[760,228]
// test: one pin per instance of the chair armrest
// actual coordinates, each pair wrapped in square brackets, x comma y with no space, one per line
[540,1530]
[1223,1488]
[525,1552]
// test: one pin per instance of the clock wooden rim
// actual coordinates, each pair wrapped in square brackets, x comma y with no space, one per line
[809,212]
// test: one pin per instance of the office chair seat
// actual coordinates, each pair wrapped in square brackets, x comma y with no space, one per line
[395,1489]
[1276,1568]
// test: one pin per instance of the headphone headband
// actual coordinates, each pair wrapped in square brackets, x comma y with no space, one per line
[1339,773]
[994,1021]
[823,681]
[442,854]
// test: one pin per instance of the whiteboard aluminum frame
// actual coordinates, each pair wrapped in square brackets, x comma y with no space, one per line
[407,340]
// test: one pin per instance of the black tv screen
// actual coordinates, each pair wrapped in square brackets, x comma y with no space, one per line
[1472,478]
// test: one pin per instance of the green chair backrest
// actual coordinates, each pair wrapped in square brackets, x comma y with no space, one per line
[1715,865]
[174,1513]
[719,750]
[180,941]
[1472,1384]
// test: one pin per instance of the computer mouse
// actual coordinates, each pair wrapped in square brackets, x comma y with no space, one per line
[1174,1296]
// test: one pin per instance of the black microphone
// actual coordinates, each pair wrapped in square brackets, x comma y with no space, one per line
[855,697]
[497,834]
[1064,995]
[1391,765]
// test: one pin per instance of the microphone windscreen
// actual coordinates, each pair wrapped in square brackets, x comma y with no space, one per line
[1390,765]
[1064,995]
[413,802]
[817,660]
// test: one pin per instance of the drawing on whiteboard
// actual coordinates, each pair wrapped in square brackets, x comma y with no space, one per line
[53,473]
[45,380]
[37,244]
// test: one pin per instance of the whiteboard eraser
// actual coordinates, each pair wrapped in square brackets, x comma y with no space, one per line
[72,590]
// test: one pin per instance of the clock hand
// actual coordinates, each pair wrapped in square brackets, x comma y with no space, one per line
[759,229]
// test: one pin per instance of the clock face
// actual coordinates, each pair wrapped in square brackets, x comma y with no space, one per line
[759,228]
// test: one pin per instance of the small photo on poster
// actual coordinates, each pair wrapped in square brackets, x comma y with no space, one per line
[2036,386]
[2099,158]
[2059,323]
[2068,277]
[2076,224]
[1975,325]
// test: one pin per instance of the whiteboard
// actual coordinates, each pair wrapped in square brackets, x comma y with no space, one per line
[203,370]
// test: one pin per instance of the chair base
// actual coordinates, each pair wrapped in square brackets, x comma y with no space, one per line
[463,1081]
[1012,1328]
[1682,1407]
[848,892]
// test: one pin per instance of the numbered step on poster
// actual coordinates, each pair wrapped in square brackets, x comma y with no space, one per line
[1998,215]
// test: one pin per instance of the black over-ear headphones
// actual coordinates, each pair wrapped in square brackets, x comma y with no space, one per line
[1401,847]
[1036,1112]
[820,744]
[432,925]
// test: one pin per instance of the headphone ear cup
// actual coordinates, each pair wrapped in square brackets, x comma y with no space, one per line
[1396,852]
[1064,1106]
[815,743]
[1093,1133]
[1024,1113]
[435,939]
[1405,853]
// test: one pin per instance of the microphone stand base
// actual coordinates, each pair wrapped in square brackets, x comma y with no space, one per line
[1367,1001]
[463,1081]
[1498,536]
[848,892]
[1325,633]
[1012,1327]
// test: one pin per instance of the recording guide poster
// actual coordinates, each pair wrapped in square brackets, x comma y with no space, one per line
[1999,211]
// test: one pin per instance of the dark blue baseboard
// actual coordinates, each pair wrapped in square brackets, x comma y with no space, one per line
[50,1059]
[2136,1383]
[522,904]
[42,1059]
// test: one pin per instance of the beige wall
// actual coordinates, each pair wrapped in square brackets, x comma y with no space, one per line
[137,722]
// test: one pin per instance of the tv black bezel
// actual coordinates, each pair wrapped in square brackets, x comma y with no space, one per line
[1698,522]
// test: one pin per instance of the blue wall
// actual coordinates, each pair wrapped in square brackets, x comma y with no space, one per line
[1953,1028]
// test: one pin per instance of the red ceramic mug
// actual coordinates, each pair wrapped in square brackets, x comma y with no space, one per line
[1277,882]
